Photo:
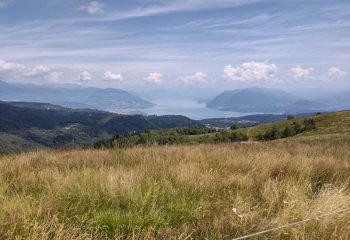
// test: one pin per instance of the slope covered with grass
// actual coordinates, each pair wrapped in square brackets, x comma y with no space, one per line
[327,125]
[177,192]
[184,192]
[322,126]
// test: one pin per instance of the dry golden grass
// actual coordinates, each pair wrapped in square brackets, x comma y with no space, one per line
[177,192]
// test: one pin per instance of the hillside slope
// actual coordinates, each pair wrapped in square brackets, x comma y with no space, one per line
[220,191]
[322,126]
[334,125]
[329,125]
[248,120]
[205,191]
[29,125]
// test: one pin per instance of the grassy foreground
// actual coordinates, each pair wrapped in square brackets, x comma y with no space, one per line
[177,192]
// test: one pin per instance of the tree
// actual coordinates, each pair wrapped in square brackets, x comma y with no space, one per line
[238,137]
[290,117]
[234,126]
[260,137]
[288,132]
[309,124]
[222,137]
[274,133]
[297,127]
[271,134]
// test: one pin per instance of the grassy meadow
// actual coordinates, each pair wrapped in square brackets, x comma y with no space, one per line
[178,192]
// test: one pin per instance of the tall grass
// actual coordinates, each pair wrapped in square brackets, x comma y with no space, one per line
[177,192]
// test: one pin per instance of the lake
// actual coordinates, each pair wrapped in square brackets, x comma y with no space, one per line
[189,108]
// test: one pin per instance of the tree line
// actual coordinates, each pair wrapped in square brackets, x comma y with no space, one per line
[289,131]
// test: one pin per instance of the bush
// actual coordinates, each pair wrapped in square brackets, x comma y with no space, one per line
[288,132]
[298,128]
[309,124]
[238,137]
[222,137]
[234,126]
[272,134]
[226,136]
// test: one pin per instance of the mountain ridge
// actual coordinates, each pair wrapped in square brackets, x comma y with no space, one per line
[94,98]
[252,99]
[272,101]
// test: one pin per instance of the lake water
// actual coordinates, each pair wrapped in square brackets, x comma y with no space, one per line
[189,108]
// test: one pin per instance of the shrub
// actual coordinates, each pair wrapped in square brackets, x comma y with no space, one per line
[221,137]
[234,126]
[226,136]
[309,124]
[298,127]
[288,132]
[273,134]
[260,137]
[235,137]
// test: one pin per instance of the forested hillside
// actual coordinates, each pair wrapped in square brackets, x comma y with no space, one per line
[27,126]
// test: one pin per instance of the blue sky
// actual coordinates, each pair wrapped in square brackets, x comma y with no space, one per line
[139,44]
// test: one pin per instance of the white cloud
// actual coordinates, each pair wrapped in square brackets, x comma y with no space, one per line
[112,76]
[197,77]
[8,66]
[54,76]
[85,76]
[163,7]
[301,73]
[93,7]
[251,71]
[154,77]
[38,70]
[336,73]
[19,71]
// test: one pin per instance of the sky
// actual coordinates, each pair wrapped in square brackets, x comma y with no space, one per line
[153,44]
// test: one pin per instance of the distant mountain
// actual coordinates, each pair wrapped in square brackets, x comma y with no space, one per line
[94,98]
[31,125]
[252,100]
[344,97]
[338,101]
[304,106]
[264,100]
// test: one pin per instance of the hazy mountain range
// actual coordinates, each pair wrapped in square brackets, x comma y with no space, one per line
[266,100]
[73,97]
[248,100]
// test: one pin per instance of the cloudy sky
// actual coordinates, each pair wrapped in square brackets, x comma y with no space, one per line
[153,43]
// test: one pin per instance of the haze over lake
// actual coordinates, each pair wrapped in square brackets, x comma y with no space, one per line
[189,108]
